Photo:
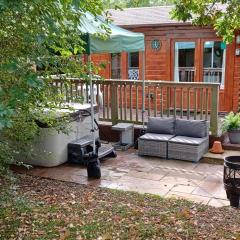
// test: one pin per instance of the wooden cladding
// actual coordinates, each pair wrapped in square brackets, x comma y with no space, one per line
[159,64]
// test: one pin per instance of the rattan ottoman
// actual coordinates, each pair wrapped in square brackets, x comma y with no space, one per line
[187,148]
[153,144]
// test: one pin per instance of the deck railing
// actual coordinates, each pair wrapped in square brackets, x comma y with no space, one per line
[213,75]
[210,75]
[121,100]
[186,74]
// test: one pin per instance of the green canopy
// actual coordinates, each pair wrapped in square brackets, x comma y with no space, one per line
[94,29]
[118,40]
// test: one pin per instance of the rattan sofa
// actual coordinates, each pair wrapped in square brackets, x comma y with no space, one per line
[171,138]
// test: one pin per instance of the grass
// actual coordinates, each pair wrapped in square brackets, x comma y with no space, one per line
[37,208]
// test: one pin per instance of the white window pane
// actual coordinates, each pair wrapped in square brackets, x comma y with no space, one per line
[184,69]
[214,58]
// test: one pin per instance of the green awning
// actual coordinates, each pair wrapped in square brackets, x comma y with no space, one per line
[118,40]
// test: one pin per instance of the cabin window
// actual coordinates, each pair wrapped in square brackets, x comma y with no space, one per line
[214,61]
[116,66]
[133,66]
[184,69]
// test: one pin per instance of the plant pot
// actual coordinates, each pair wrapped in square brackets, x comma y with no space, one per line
[234,136]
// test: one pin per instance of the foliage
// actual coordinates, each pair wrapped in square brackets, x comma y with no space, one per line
[231,122]
[136,3]
[5,157]
[223,15]
[44,33]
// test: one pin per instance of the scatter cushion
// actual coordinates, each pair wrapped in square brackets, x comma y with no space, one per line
[156,137]
[187,140]
[191,128]
[160,125]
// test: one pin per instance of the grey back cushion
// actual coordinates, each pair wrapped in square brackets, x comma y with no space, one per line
[191,128]
[161,125]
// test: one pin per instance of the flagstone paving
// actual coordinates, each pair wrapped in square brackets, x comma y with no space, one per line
[199,182]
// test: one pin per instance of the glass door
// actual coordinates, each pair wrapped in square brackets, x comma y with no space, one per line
[184,64]
[214,61]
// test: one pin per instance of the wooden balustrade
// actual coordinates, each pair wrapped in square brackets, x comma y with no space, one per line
[121,100]
[212,75]
[186,74]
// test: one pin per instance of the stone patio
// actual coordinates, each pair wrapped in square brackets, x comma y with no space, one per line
[199,182]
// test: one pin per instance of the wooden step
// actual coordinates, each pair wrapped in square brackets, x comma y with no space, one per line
[213,158]
[84,141]
[105,150]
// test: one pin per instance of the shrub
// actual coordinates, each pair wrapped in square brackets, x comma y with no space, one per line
[231,122]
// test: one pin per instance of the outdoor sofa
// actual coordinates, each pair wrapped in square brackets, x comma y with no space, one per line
[171,138]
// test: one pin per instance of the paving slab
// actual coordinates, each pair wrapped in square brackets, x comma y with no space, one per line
[141,185]
[183,188]
[176,164]
[212,186]
[209,168]
[199,182]
[188,196]
[218,202]
[146,175]
[181,180]
[182,173]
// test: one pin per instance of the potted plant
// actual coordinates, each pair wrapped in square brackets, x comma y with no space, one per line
[231,125]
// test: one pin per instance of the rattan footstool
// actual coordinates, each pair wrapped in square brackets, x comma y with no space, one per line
[153,144]
[187,148]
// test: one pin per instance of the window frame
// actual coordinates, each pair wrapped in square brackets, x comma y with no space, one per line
[179,40]
[118,68]
[129,60]
[223,75]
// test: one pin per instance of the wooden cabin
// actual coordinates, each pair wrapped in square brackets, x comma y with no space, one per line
[176,51]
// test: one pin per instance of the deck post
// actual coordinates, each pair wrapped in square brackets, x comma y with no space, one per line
[143,89]
[114,103]
[214,110]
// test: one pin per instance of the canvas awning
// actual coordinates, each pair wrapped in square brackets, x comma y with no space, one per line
[118,40]
[93,29]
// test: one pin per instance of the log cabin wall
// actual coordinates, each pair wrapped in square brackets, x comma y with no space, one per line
[159,64]
[235,87]
[103,62]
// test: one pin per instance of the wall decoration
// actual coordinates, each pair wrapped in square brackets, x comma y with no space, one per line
[156,44]
[133,74]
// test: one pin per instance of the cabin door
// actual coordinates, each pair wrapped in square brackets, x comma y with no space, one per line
[184,61]
[214,62]
[184,66]
[200,60]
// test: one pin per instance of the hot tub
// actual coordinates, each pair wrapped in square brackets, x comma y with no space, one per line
[49,149]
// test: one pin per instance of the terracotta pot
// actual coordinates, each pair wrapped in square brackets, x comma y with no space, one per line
[217,148]
[234,136]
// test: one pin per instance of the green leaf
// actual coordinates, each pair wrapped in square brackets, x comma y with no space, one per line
[32,80]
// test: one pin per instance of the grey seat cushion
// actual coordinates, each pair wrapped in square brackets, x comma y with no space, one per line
[156,137]
[188,140]
[161,125]
[191,128]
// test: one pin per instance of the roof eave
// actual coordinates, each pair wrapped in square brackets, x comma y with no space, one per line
[155,25]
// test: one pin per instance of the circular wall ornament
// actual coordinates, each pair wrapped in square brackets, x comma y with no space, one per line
[156,44]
